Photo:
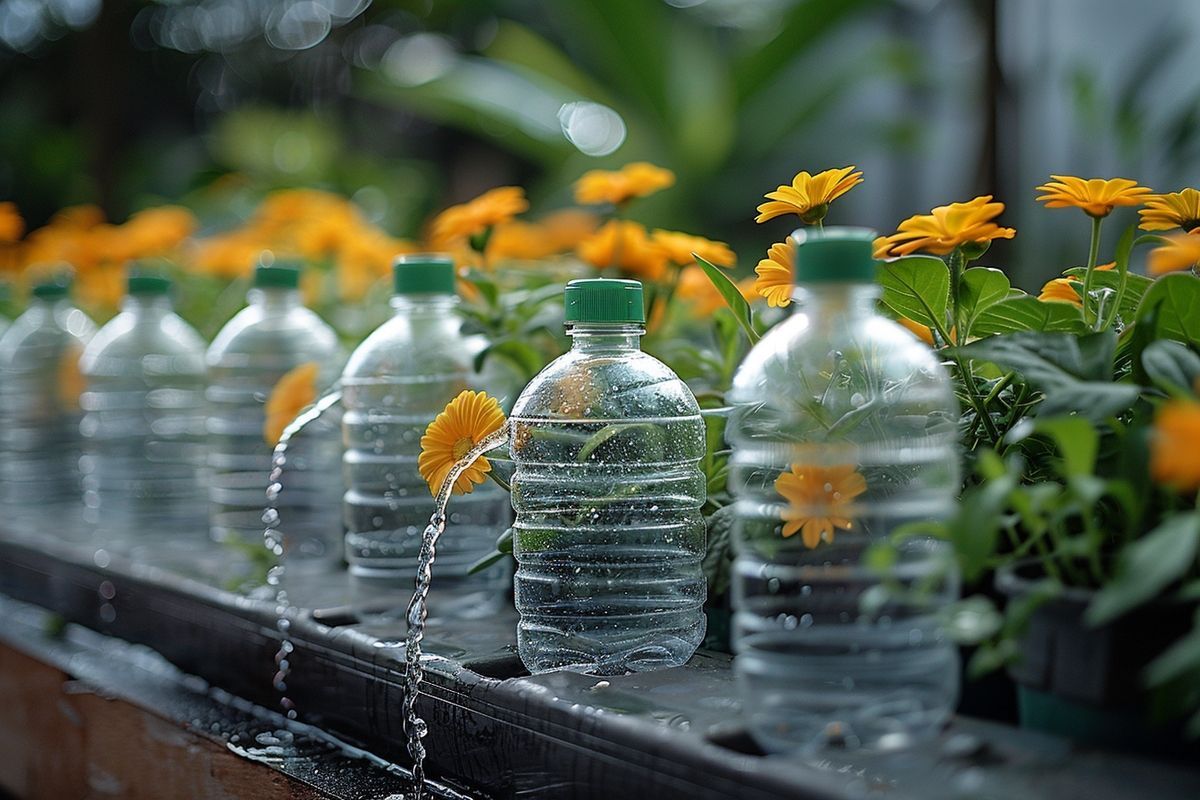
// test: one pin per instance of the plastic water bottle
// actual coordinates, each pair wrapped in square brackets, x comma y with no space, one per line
[607,487]
[844,427]
[143,430]
[40,385]
[263,342]
[393,386]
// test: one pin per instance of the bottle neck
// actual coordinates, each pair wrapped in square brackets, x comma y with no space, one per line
[147,303]
[837,299]
[593,336]
[274,299]
[424,304]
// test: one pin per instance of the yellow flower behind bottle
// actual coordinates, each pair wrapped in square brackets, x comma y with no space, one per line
[293,392]
[680,248]
[625,246]
[818,500]
[463,423]
[776,275]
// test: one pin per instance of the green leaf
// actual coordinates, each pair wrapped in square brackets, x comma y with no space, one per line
[1176,298]
[1077,443]
[608,432]
[1172,366]
[504,548]
[1073,372]
[1177,660]
[525,356]
[1147,567]
[917,287]
[981,288]
[732,296]
[1028,314]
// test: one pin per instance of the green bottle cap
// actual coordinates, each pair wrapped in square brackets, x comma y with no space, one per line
[604,300]
[835,255]
[143,283]
[51,290]
[278,275]
[424,273]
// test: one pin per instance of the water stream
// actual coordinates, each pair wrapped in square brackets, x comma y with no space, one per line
[418,609]
[274,540]
[414,727]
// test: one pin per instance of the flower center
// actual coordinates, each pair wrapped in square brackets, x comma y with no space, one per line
[461,447]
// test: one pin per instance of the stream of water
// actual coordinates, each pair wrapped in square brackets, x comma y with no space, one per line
[273,538]
[415,728]
[418,608]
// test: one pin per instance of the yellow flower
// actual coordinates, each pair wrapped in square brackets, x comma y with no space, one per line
[880,248]
[156,231]
[1180,251]
[463,423]
[1172,210]
[817,500]
[1060,290]
[71,382]
[228,255]
[809,196]
[776,274]
[947,227]
[922,332]
[292,393]
[1097,196]
[638,179]
[11,223]
[703,298]
[625,245]
[1175,445]
[491,208]
[680,246]
[102,286]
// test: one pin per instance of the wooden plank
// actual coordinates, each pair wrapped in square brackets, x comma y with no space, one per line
[62,739]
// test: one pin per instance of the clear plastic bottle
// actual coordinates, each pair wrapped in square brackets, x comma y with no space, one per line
[844,427]
[606,443]
[393,386]
[143,429]
[263,342]
[39,402]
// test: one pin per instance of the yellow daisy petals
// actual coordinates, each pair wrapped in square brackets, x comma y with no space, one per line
[292,393]
[463,423]
[1097,197]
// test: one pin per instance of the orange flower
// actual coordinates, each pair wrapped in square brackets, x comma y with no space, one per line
[70,381]
[156,231]
[1172,210]
[1180,251]
[624,245]
[946,228]
[702,297]
[1175,446]
[639,179]
[818,500]
[809,196]
[680,247]
[12,226]
[467,420]
[468,219]
[1061,290]
[228,255]
[922,332]
[776,275]
[1097,196]
[292,393]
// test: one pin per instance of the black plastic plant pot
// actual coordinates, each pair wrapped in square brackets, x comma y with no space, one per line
[1086,682]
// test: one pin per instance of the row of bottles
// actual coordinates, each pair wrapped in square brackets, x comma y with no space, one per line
[842,427]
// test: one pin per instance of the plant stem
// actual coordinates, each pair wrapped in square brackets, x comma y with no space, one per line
[1093,252]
